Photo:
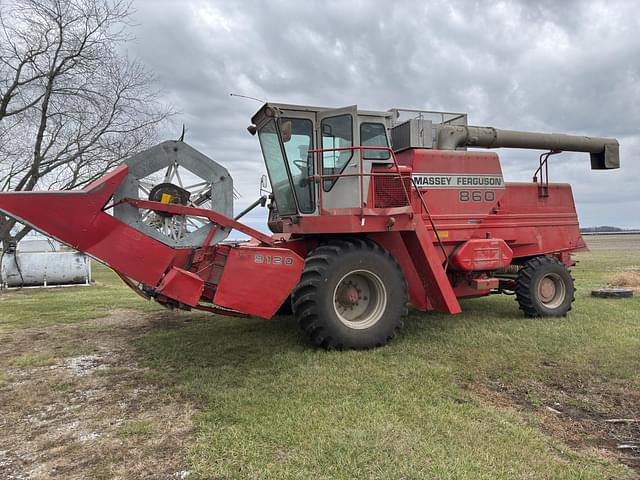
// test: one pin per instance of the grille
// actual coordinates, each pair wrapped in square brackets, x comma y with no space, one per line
[388,191]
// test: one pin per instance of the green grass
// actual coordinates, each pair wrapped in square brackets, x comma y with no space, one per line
[35,360]
[136,427]
[275,408]
[44,307]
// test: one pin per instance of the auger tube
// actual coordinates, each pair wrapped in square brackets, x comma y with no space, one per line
[604,151]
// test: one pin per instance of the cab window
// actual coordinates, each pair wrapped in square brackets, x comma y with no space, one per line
[374,135]
[277,168]
[337,132]
[297,146]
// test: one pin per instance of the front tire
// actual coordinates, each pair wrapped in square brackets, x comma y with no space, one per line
[352,295]
[544,288]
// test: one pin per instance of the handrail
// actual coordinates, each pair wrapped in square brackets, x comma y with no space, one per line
[361,174]
[543,170]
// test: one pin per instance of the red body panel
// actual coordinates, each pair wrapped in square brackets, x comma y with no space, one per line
[182,286]
[529,223]
[257,280]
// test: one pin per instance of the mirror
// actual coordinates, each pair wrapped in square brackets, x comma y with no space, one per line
[285,131]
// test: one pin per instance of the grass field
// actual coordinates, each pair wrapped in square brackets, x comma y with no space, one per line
[92,392]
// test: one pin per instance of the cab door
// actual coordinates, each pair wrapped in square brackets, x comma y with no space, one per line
[337,128]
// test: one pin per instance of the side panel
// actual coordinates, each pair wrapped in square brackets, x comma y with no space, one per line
[257,280]
[534,225]
[456,183]
[183,286]
[530,223]
[392,242]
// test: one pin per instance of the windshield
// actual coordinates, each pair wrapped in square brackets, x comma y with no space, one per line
[274,160]
[297,148]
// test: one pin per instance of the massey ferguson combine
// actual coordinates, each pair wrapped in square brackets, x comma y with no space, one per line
[370,211]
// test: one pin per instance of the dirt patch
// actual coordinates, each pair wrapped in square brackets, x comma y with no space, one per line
[94,413]
[584,417]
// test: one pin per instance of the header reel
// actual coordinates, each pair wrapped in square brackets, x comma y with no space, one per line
[175,173]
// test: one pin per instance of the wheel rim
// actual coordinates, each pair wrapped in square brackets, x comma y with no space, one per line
[551,290]
[360,299]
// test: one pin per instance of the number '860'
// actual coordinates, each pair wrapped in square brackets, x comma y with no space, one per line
[477,196]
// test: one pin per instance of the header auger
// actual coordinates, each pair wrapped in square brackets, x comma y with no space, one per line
[370,211]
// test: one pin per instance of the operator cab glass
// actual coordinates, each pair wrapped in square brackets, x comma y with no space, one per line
[297,143]
[277,168]
[289,169]
[337,132]
[374,135]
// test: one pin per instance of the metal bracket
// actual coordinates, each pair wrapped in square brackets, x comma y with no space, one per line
[543,170]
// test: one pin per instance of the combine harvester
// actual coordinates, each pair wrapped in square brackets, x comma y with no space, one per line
[362,225]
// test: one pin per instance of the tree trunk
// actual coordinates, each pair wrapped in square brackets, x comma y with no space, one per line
[5,242]
[6,237]
[6,225]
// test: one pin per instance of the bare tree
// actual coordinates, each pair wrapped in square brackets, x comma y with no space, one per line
[72,105]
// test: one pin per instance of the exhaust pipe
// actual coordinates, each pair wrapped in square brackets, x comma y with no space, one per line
[604,152]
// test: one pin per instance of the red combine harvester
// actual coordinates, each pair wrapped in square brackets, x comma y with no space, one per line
[370,211]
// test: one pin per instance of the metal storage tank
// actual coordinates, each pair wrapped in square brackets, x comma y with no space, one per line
[38,244]
[30,269]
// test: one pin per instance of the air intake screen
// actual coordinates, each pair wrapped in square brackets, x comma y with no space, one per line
[389,193]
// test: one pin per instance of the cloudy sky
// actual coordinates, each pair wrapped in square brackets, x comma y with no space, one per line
[556,66]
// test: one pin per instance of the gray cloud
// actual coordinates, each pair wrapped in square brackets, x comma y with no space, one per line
[570,67]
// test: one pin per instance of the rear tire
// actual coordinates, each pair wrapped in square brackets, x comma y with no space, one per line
[544,288]
[352,295]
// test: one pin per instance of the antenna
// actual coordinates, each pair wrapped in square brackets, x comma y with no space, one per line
[246,96]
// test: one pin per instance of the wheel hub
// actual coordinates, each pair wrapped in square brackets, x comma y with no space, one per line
[360,299]
[547,289]
[348,295]
[551,290]
[170,194]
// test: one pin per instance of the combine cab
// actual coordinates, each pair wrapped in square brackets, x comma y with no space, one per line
[370,211]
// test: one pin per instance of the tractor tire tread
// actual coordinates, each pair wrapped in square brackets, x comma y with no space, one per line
[305,293]
[526,277]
